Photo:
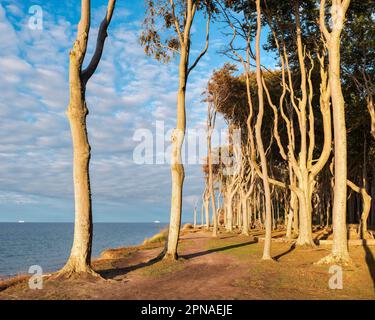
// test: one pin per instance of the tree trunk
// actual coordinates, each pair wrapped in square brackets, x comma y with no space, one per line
[245,215]
[177,168]
[340,253]
[305,237]
[195,217]
[207,212]
[340,241]
[229,225]
[293,208]
[211,185]
[80,257]
[371,109]
[259,141]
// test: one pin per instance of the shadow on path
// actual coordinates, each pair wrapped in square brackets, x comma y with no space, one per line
[292,248]
[370,262]
[221,249]
[116,272]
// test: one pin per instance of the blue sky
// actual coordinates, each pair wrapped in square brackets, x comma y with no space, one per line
[129,91]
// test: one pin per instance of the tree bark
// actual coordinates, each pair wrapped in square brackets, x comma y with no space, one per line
[259,141]
[340,253]
[80,256]
[178,136]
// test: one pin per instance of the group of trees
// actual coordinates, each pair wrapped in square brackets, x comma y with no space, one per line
[300,122]
[307,124]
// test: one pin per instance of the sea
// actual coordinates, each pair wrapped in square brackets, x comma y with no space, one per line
[23,245]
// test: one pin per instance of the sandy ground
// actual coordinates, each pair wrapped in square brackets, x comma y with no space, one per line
[213,269]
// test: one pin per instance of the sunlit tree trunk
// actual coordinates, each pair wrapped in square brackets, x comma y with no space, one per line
[177,168]
[195,217]
[259,141]
[211,119]
[371,109]
[80,256]
[178,136]
[340,253]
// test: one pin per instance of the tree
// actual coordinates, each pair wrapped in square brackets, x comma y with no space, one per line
[177,18]
[211,121]
[259,140]
[339,8]
[359,46]
[80,256]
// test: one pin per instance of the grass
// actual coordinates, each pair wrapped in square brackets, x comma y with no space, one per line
[18,280]
[118,253]
[235,249]
[157,238]
[162,268]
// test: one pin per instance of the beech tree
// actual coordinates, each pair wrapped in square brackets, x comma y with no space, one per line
[339,8]
[313,49]
[80,256]
[174,38]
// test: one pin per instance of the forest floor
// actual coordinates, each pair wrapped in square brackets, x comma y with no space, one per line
[211,269]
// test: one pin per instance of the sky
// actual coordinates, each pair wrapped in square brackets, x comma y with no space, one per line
[129,92]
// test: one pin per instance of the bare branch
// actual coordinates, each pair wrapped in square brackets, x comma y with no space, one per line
[322,20]
[102,35]
[176,22]
[204,51]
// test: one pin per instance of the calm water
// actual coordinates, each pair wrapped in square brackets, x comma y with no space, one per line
[48,244]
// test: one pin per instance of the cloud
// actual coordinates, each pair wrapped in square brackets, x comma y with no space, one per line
[128,92]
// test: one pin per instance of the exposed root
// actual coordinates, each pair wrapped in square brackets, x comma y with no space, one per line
[76,270]
[310,244]
[170,257]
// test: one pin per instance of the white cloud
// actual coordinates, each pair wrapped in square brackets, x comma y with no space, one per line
[128,91]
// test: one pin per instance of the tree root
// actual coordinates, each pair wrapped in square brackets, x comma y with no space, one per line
[74,270]
[170,257]
[306,244]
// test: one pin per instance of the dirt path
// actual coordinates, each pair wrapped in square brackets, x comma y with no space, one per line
[224,268]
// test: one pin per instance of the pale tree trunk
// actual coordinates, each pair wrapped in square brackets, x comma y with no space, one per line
[177,168]
[207,210]
[195,217]
[371,109]
[80,257]
[259,141]
[245,214]
[211,119]
[202,215]
[292,208]
[366,200]
[229,221]
[340,253]
[247,211]
[178,136]
[302,169]
[232,189]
